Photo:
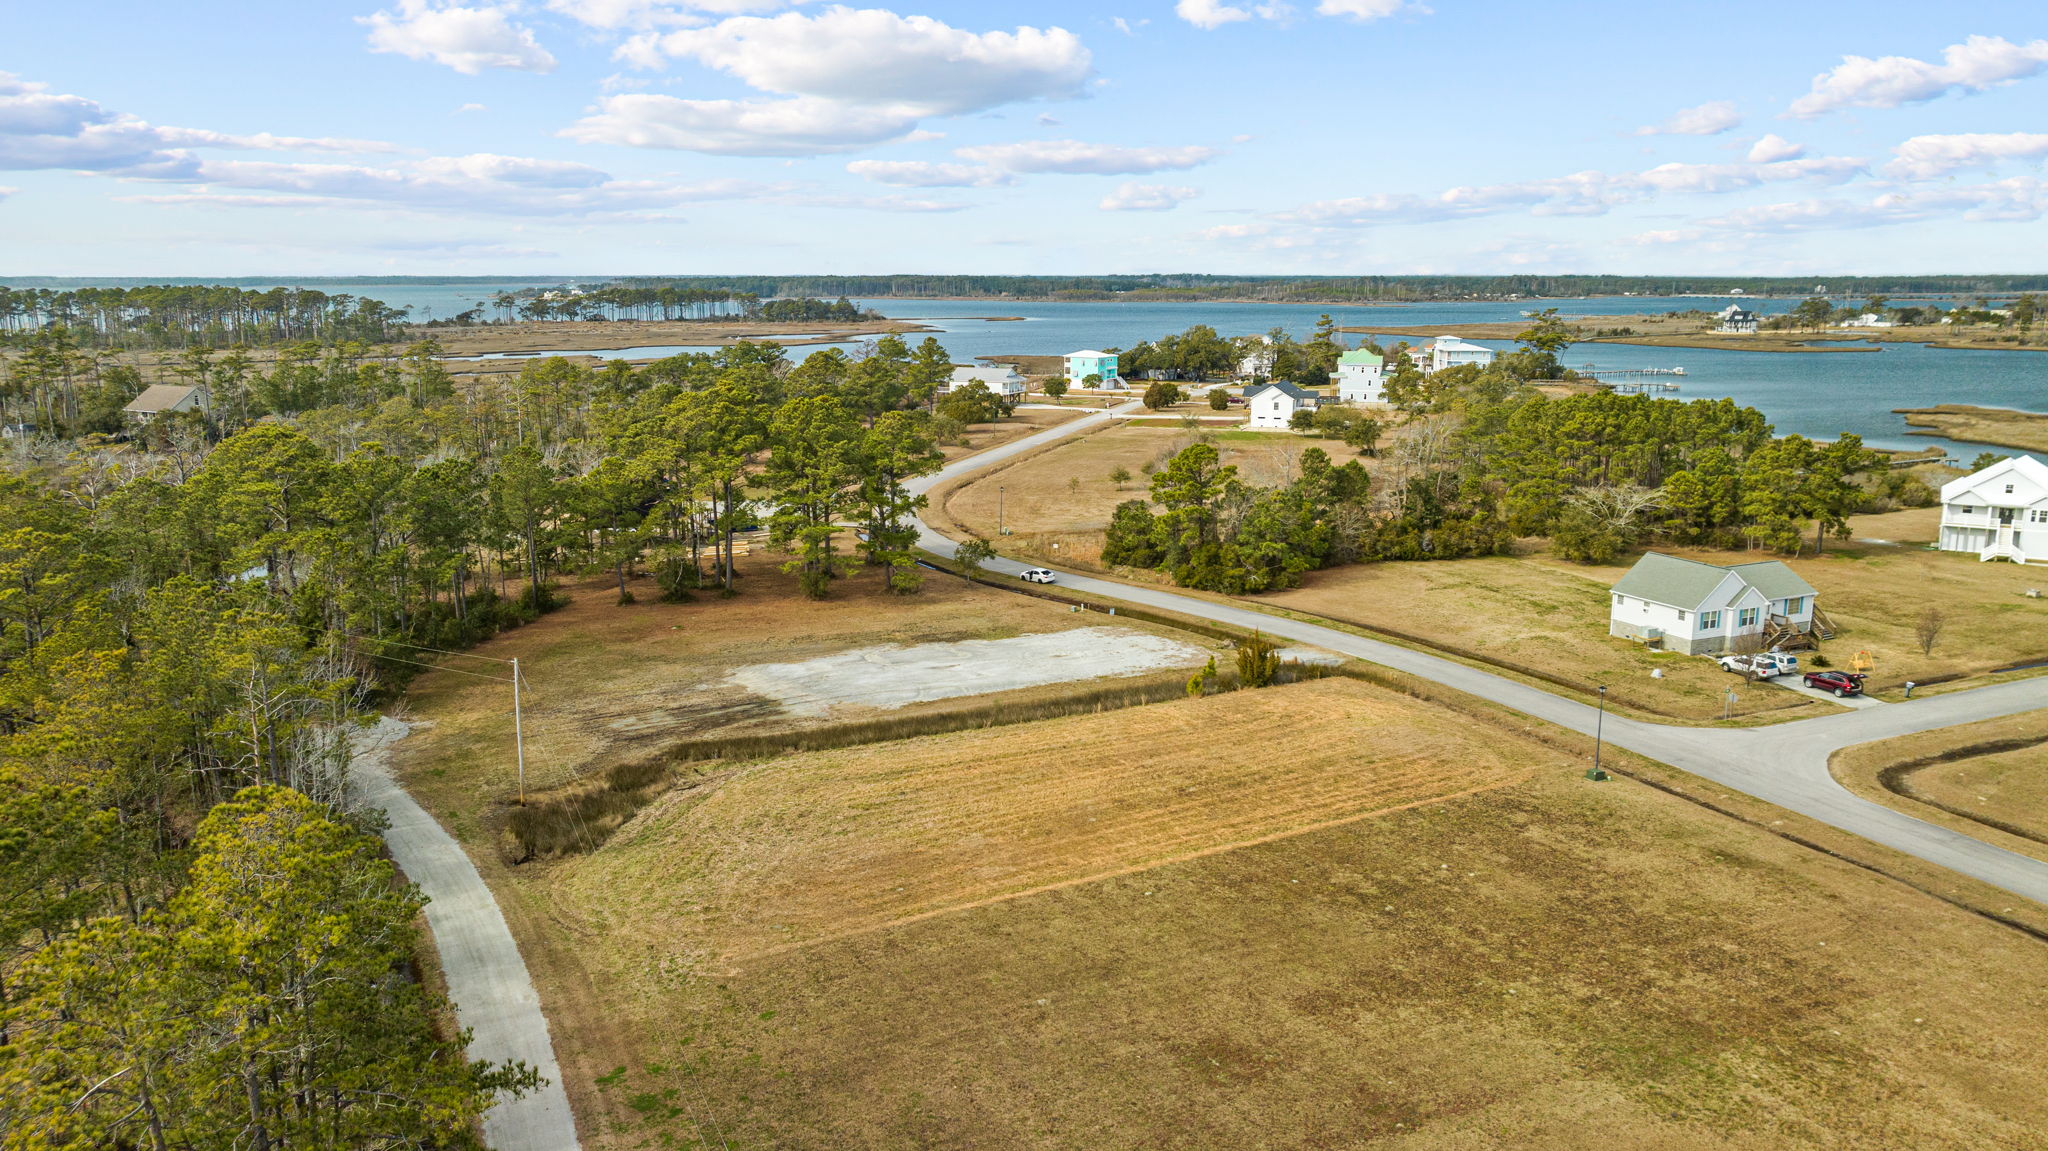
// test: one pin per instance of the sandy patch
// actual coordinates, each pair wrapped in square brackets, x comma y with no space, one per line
[896,675]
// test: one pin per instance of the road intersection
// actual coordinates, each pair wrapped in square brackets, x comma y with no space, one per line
[1785,764]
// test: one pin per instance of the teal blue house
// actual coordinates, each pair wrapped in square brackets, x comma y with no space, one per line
[1081,365]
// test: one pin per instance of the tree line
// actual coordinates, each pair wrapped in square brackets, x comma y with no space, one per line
[160,316]
[199,943]
[1482,457]
[657,300]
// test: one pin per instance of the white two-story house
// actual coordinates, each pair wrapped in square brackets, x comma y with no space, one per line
[1362,377]
[1699,608]
[1452,352]
[2000,513]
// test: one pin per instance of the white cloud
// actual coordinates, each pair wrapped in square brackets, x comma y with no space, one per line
[1209,13]
[1974,65]
[6,191]
[1078,158]
[1773,148]
[1136,197]
[466,108]
[1924,157]
[804,126]
[2015,200]
[1213,14]
[1709,119]
[1589,193]
[1362,10]
[854,78]
[922,174]
[468,40]
[44,129]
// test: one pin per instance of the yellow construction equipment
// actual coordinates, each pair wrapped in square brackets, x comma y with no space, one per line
[1862,662]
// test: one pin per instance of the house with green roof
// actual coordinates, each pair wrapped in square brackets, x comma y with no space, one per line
[1362,377]
[1702,608]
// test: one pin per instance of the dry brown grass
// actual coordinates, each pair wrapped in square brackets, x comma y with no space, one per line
[1999,794]
[981,437]
[874,837]
[1542,613]
[2027,431]
[1549,964]
[1042,505]
[611,684]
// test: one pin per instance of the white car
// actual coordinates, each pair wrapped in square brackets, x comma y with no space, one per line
[1762,665]
[1039,575]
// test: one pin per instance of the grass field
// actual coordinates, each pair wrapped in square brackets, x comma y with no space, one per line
[611,684]
[889,948]
[1543,613]
[1999,792]
[1064,495]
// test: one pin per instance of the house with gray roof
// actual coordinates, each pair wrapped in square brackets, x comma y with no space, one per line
[1702,608]
[1274,405]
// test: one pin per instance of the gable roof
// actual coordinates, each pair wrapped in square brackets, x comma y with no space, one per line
[1361,356]
[1085,352]
[159,398]
[1285,388]
[2024,466]
[1774,579]
[1671,581]
[1458,344]
[1688,584]
[1003,372]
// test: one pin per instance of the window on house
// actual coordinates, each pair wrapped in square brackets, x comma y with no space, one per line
[1746,617]
[1795,606]
[2008,489]
[1710,620]
[1681,617]
[2040,515]
[1619,600]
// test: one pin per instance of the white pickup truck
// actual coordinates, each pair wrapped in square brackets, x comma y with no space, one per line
[1761,665]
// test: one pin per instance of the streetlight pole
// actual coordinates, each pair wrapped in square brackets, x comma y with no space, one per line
[999,509]
[1600,727]
[519,732]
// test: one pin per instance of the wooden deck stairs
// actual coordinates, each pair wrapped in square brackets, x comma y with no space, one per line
[1781,634]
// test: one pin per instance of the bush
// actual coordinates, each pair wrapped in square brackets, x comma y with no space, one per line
[1258,662]
[1219,400]
[1162,394]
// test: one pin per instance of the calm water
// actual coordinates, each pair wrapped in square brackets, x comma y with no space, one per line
[1820,394]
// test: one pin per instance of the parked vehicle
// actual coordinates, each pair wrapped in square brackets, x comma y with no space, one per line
[1761,665]
[1039,575]
[1842,683]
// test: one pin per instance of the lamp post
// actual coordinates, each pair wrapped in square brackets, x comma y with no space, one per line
[999,511]
[1599,727]
[518,732]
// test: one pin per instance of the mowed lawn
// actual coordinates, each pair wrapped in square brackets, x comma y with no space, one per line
[1095,932]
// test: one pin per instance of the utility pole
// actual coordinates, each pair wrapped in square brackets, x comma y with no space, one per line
[519,731]
[1600,727]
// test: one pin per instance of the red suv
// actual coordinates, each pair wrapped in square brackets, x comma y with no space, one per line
[1839,682]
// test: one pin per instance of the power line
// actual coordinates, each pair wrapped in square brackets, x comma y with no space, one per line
[421,647]
[451,670]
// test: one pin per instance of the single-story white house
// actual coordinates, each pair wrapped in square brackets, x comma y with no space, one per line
[1362,377]
[1002,379]
[1273,405]
[1699,608]
[1869,320]
[1082,364]
[163,399]
[1451,352]
[2000,513]
[1737,319]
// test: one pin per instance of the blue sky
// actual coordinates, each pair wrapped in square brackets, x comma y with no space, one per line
[1315,136]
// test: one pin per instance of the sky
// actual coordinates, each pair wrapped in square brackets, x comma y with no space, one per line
[1339,137]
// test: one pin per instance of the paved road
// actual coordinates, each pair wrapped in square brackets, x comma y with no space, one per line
[1785,764]
[487,979]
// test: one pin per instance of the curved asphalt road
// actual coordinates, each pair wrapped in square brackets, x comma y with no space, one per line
[1785,764]
[487,979]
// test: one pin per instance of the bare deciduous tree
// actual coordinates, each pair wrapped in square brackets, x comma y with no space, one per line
[1928,629]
